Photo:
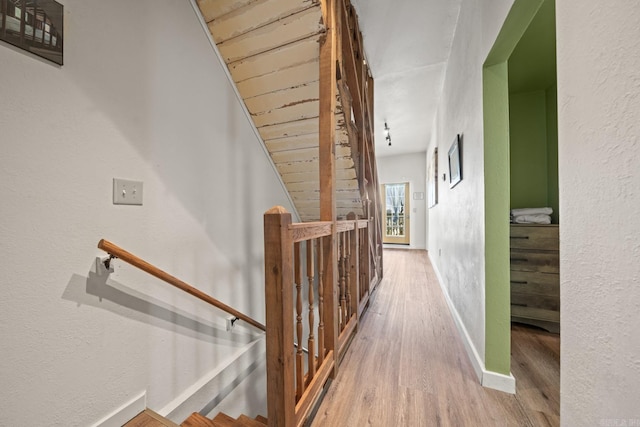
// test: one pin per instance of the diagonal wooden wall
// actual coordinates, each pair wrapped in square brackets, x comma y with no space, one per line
[271,48]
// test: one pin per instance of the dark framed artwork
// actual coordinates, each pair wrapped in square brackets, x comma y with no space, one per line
[432,179]
[33,25]
[455,161]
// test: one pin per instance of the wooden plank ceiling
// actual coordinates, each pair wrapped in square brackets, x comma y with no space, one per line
[271,48]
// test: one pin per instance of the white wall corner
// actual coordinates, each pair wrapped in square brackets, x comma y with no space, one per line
[489,379]
[218,383]
[124,413]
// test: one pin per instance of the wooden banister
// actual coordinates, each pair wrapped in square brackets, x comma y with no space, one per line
[129,258]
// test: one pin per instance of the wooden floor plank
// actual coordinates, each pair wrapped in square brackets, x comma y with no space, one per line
[407,365]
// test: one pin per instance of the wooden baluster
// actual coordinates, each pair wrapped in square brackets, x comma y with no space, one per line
[299,356]
[347,276]
[311,341]
[363,280]
[353,296]
[342,271]
[320,303]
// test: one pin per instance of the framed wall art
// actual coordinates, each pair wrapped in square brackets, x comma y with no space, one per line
[455,162]
[432,179]
[33,25]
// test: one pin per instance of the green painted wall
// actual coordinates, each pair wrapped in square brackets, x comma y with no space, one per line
[553,196]
[533,115]
[496,183]
[528,149]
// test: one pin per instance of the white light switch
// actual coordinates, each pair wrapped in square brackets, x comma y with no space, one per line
[126,192]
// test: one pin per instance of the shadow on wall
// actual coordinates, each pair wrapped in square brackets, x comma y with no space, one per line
[255,394]
[93,290]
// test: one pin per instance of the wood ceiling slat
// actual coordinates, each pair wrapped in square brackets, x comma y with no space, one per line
[288,30]
[304,110]
[313,203]
[291,143]
[281,98]
[212,9]
[304,165]
[254,15]
[286,56]
[347,196]
[350,184]
[284,130]
[312,175]
[279,80]
[307,154]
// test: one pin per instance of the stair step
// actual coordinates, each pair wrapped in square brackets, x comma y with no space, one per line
[197,420]
[245,421]
[224,420]
[148,418]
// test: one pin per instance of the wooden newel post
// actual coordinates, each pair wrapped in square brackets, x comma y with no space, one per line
[278,272]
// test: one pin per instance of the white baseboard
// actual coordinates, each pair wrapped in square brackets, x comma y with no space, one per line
[125,412]
[489,379]
[496,381]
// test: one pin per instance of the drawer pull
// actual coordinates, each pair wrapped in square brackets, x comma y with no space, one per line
[520,237]
[519,282]
[520,259]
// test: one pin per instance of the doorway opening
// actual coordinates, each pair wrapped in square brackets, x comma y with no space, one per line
[396,213]
[519,103]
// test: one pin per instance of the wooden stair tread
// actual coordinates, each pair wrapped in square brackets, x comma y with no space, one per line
[224,420]
[245,421]
[149,418]
[262,419]
[197,420]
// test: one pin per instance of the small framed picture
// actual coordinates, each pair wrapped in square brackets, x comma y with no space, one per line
[455,161]
[35,26]
[432,179]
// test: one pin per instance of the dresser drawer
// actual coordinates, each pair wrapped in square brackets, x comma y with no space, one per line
[540,237]
[528,282]
[545,302]
[542,262]
[533,313]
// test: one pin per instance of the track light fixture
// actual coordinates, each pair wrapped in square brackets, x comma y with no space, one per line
[387,134]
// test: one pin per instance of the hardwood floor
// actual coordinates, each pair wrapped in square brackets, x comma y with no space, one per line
[407,365]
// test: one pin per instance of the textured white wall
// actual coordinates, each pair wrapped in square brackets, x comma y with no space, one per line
[409,168]
[456,224]
[141,96]
[599,171]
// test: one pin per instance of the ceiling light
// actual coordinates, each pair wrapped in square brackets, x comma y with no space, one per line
[387,133]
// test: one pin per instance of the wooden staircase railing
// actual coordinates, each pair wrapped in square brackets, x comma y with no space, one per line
[117,252]
[297,291]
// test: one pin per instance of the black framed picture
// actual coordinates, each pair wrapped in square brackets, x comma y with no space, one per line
[455,161]
[432,179]
[33,25]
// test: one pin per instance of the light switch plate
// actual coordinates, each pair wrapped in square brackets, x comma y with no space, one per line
[127,192]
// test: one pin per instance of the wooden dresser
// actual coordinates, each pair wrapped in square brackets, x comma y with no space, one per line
[535,275]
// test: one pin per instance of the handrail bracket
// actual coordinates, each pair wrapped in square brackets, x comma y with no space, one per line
[107,261]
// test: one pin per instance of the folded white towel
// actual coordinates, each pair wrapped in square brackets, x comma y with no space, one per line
[531,211]
[532,219]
